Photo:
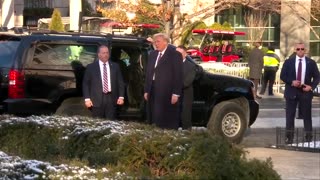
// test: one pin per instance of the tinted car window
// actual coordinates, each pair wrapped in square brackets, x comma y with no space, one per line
[7,50]
[63,54]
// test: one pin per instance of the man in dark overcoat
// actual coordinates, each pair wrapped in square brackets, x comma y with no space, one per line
[163,83]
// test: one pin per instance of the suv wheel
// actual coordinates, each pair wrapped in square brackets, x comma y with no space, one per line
[73,106]
[228,119]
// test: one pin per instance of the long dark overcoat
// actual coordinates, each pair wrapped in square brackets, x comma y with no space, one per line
[167,81]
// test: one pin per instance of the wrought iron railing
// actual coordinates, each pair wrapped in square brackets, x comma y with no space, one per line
[299,141]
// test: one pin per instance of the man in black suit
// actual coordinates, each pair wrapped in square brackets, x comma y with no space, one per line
[163,84]
[189,73]
[103,87]
[300,75]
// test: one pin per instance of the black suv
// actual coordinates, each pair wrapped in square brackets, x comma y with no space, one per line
[42,73]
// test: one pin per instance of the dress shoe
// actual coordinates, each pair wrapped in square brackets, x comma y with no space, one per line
[308,138]
[289,141]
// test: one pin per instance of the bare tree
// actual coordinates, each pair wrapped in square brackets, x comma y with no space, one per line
[258,20]
[314,14]
[169,15]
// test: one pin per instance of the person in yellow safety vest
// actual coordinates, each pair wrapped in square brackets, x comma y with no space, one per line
[270,66]
[74,52]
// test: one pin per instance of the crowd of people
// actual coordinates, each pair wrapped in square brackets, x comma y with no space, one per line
[168,89]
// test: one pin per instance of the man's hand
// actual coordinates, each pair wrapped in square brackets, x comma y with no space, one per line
[174,99]
[306,88]
[88,103]
[145,96]
[120,101]
[296,83]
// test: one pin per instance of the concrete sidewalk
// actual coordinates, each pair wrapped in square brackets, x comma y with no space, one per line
[291,165]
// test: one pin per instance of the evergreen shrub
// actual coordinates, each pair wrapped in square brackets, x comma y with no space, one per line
[129,150]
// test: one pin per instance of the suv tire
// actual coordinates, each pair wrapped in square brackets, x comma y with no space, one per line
[228,120]
[73,106]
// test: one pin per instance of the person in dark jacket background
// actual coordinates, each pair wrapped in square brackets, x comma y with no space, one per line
[189,73]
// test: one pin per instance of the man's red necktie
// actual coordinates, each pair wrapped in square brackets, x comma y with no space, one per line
[299,70]
[105,78]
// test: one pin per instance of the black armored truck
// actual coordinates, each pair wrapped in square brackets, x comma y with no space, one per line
[41,73]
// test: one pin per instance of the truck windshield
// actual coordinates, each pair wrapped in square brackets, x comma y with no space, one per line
[7,51]
[195,41]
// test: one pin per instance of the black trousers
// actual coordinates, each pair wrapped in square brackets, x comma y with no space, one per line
[304,98]
[107,108]
[269,75]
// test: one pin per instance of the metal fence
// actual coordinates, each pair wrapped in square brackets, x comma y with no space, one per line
[242,70]
[299,141]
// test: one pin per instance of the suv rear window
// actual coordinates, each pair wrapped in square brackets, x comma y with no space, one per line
[63,54]
[7,51]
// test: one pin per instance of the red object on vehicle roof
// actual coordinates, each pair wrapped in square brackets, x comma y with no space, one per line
[211,31]
[208,45]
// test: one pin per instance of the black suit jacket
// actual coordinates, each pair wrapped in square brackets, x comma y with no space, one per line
[92,83]
[288,74]
[189,74]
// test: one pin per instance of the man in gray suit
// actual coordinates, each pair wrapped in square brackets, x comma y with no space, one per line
[103,87]
[255,63]
[189,73]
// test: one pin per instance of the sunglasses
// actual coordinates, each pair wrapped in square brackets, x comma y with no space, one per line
[298,49]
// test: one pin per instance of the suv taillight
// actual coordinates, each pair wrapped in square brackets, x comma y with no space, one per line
[16,84]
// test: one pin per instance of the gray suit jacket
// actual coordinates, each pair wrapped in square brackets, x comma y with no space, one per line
[255,63]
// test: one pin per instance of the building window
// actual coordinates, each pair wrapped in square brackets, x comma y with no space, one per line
[35,3]
[314,50]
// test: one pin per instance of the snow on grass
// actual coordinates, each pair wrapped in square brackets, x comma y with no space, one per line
[311,145]
[78,124]
[13,167]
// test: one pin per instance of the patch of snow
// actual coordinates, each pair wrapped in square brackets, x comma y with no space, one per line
[33,169]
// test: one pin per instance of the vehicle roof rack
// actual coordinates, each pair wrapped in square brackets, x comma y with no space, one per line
[73,33]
